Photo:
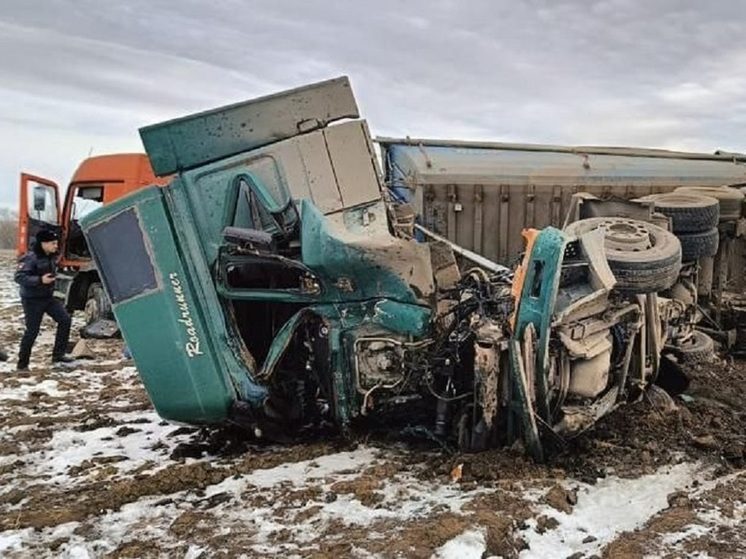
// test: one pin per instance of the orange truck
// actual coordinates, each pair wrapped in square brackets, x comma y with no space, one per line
[97,181]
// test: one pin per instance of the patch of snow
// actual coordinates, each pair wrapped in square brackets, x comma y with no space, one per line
[469,545]
[13,540]
[404,497]
[76,552]
[69,448]
[300,473]
[690,531]
[22,392]
[611,506]
[194,552]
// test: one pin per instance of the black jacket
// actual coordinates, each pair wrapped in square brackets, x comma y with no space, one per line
[31,267]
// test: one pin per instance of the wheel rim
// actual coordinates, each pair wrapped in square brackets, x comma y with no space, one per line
[626,235]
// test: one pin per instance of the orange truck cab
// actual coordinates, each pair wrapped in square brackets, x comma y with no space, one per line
[96,182]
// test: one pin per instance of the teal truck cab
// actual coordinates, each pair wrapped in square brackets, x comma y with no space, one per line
[274,285]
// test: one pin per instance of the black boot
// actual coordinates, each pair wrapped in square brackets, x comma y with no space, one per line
[63,359]
[23,359]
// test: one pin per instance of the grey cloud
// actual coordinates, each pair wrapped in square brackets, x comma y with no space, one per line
[662,73]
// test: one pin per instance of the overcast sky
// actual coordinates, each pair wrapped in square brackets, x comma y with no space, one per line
[80,77]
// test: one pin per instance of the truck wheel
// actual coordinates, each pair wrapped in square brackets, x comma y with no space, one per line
[644,257]
[689,213]
[697,245]
[97,304]
[730,199]
[699,347]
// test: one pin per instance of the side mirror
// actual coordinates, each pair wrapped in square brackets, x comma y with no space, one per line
[40,198]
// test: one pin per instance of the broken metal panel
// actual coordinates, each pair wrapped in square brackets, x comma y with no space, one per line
[490,344]
[309,171]
[346,246]
[302,167]
[445,268]
[528,429]
[582,303]
[353,160]
[297,168]
[332,167]
[191,141]
[576,419]
[537,303]
[585,206]
[582,300]
[592,246]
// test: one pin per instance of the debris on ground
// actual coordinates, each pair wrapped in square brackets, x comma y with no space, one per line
[87,468]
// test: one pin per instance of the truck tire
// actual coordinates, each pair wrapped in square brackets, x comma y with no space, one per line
[699,347]
[731,199]
[689,213]
[643,257]
[97,304]
[696,245]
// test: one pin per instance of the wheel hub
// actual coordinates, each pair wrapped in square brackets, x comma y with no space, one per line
[626,235]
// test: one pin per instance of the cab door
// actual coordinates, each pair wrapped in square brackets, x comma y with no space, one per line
[39,208]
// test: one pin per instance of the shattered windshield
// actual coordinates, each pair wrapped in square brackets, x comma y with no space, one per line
[87,199]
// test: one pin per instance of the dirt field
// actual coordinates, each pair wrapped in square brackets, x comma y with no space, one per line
[87,469]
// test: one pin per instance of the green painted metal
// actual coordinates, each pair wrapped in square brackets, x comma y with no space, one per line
[345,323]
[522,403]
[201,388]
[195,140]
[217,156]
[349,322]
[332,256]
[410,320]
[186,241]
[536,306]
[176,338]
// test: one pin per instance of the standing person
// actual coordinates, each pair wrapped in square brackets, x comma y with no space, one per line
[35,275]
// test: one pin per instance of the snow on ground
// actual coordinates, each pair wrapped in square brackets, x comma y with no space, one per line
[403,498]
[28,386]
[69,449]
[469,545]
[88,469]
[8,289]
[606,509]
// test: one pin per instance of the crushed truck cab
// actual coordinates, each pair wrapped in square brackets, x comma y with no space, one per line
[272,285]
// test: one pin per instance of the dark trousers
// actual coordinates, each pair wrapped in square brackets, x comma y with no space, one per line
[34,310]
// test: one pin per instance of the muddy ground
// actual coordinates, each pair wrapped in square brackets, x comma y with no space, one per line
[87,469]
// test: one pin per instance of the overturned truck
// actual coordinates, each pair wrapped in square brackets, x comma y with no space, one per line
[275,284]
